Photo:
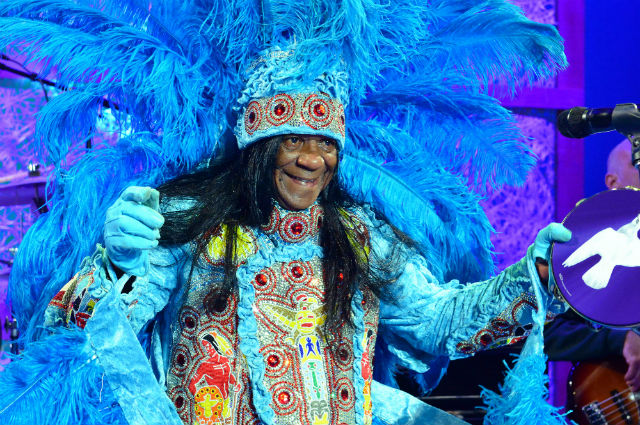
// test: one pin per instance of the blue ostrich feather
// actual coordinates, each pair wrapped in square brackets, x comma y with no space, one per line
[57,381]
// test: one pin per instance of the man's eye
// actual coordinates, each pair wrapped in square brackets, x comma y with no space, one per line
[292,140]
[328,143]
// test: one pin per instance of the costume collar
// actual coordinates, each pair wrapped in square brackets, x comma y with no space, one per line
[295,226]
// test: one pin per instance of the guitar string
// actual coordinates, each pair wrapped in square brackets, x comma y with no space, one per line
[603,403]
[629,405]
[626,406]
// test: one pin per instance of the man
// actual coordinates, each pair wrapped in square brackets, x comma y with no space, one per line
[568,337]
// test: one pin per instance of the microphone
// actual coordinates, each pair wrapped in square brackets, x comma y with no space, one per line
[580,122]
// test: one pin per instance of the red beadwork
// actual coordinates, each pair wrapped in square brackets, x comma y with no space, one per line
[319,109]
[486,339]
[284,397]
[252,117]
[273,360]
[343,354]
[261,279]
[297,228]
[179,401]
[363,302]
[190,322]
[344,394]
[340,276]
[296,271]
[279,109]
[180,359]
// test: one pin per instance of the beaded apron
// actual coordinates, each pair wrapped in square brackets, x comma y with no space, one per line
[309,375]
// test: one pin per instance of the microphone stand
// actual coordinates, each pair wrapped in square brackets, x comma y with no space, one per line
[626,120]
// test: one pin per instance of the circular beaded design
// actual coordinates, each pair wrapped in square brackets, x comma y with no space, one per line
[344,394]
[252,117]
[317,111]
[284,398]
[280,109]
[180,359]
[276,360]
[189,319]
[297,272]
[265,280]
[294,227]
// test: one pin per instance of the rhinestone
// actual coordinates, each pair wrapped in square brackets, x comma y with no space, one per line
[363,302]
[190,322]
[284,397]
[340,276]
[343,354]
[261,279]
[252,117]
[486,339]
[296,228]
[179,401]
[180,359]
[344,394]
[296,271]
[273,360]
[279,109]
[319,110]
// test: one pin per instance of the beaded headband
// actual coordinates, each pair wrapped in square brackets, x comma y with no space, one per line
[308,113]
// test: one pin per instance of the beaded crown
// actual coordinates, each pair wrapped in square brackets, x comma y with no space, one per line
[278,99]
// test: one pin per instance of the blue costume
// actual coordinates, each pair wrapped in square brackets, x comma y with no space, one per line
[254,358]
[402,86]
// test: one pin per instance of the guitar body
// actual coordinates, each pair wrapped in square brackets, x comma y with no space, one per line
[598,394]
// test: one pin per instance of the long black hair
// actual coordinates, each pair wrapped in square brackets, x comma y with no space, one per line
[241,191]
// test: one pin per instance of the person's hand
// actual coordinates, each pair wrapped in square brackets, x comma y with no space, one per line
[554,232]
[131,228]
[631,353]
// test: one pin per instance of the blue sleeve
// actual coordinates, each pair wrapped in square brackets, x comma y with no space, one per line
[426,319]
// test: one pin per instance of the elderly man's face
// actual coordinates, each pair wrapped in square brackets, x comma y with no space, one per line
[304,166]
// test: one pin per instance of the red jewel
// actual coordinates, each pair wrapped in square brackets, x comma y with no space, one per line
[296,228]
[363,302]
[319,109]
[344,354]
[180,359]
[190,322]
[261,279]
[179,401]
[252,117]
[344,394]
[485,339]
[273,360]
[340,276]
[284,397]
[279,109]
[296,271]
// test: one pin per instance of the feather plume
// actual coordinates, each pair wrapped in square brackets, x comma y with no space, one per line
[57,381]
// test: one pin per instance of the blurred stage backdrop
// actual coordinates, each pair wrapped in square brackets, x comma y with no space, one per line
[516,213]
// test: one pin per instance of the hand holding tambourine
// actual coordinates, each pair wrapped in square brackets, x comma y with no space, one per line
[597,272]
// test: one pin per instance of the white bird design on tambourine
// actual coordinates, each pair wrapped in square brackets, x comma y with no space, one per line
[616,248]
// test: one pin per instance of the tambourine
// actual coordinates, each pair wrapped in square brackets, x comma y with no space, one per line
[598,271]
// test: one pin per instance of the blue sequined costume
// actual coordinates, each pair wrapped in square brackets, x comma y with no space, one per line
[264,356]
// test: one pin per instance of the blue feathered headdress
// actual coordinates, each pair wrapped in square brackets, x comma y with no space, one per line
[424,138]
